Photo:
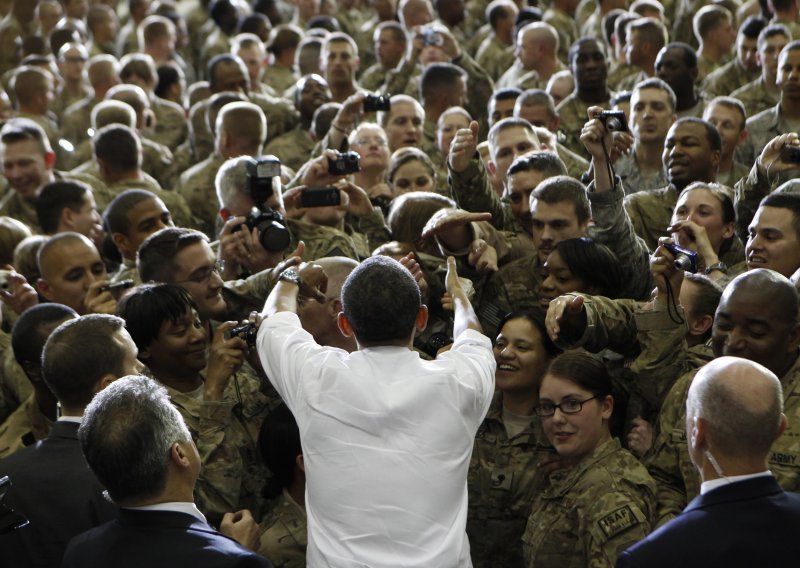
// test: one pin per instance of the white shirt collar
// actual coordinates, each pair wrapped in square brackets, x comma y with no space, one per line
[75,419]
[717,483]
[175,507]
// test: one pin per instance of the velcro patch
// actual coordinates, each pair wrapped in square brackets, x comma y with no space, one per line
[618,521]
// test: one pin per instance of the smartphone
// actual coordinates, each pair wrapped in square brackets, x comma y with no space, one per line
[320,197]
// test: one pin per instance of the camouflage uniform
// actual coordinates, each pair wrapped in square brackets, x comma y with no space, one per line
[573,115]
[727,79]
[750,191]
[755,97]
[175,203]
[324,241]
[593,26]
[672,468]
[498,60]
[156,160]
[25,426]
[503,480]
[651,212]
[284,535]
[761,128]
[64,100]
[472,191]
[126,271]
[171,127]
[576,165]
[565,26]
[591,512]
[292,148]
[280,77]
[632,179]
[232,475]
[196,185]
[11,30]
[737,172]
[13,205]
[77,120]
[706,66]
[373,77]
[619,73]
[513,287]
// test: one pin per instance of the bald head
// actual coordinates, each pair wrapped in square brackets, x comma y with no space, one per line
[740,404]
[539,32]
[765,283]
[337,268]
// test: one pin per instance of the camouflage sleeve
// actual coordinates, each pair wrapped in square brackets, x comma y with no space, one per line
[609,325]
[665,461]
[473,191]
[246,295]
[663,356]
[219,485]
[397,79]
[613,228]
[750,191]
[374,228]
[479,90]
[616,520]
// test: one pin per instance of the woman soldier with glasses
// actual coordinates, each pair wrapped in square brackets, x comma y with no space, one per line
[606,501]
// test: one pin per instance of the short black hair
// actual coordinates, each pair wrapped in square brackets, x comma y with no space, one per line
[147,307]
[79,353]
[564,188]
[54,198]
[536,317]
[27,340]
[381,299]
[712,134]
[785,200]
[593,263]
[438,77]
[156,256]
[116,214]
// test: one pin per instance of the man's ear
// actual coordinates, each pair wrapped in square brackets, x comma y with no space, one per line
[50,160]
[698,437]
[492,167]
[300,463]
[225,213]
[334,307]
[67,219]
[344,325]
[44,289]
[104,381]
[421,321]
[121,242]
[179,456]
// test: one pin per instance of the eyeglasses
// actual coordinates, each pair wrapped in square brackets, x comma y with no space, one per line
[203,275]
[380,142]
[571,406]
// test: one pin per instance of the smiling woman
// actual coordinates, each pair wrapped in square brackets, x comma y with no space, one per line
[605,501]
[505,471]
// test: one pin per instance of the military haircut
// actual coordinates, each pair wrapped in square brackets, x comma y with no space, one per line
[707,19]
[79,353]
[689,55]
[772,30]
[661,85]
[546,162]
[536,97]
[563,188]
[439,78]
[156,257]
[381,299]
[119,147]
[115,217]
[785,200]
[138,65]
[712,134]
[22,129]
[131,457]
[27,335]
[54,198]
[113,112]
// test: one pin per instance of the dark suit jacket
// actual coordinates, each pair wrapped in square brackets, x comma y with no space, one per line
[153,539]
[51,485]
[748,523]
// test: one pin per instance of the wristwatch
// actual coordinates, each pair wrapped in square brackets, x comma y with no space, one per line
[290,275]
[721,266]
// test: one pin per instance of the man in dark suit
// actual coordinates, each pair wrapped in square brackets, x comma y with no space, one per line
[149,465]
[742,517]
[51,484]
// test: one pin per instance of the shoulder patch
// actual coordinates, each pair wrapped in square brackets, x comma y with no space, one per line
[618,521]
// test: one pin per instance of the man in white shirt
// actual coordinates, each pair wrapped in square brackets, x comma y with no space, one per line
[386,436]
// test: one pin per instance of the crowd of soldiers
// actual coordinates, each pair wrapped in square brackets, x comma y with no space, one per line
[619,172]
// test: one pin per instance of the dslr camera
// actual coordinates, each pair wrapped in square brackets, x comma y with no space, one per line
[273,234]
[375,103]
[613,120]
[345,163]
[685,259]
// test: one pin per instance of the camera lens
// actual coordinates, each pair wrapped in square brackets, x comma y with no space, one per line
[683,262]
[613,124]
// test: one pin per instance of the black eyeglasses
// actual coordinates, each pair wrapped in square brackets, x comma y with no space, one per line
[571,406]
